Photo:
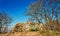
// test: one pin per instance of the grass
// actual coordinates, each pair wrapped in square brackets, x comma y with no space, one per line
[50,33]
[41,32]
[57,33]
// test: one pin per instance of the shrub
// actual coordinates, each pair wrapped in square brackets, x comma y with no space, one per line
[34,28]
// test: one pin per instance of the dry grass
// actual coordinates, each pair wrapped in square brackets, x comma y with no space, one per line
[22,34]
[50,33]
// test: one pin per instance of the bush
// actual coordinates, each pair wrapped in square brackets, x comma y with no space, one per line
[34,28]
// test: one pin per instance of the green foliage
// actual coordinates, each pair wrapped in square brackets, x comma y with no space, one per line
[34,28]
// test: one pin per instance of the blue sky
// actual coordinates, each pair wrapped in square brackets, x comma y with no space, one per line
[16,9]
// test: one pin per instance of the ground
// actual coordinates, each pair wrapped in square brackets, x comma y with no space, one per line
[32,34]
[22,34]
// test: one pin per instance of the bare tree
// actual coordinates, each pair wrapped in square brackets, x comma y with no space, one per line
[35,12]
[44,10]
[5,20]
